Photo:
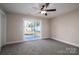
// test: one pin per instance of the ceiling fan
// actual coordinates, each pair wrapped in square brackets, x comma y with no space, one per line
[44,9]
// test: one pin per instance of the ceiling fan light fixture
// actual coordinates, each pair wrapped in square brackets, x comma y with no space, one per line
[43,12]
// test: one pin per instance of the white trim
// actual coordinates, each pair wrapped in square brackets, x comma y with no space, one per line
[0,31]
[0,48]
[14,42]
[17,41]
[66,42]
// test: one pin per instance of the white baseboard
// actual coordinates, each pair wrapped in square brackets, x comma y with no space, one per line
[66,42]
[43,38]
[14,42]
[20,41]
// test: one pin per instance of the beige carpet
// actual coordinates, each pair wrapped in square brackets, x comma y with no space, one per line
[40,47]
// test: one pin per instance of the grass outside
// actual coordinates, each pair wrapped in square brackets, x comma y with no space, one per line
[32,33]
[31,36]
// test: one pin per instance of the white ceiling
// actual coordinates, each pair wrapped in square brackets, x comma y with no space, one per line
[34,8]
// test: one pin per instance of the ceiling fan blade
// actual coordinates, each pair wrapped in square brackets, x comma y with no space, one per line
[51,10]
[42,7]
[47,4]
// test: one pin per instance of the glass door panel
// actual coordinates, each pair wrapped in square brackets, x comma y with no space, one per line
[32,30]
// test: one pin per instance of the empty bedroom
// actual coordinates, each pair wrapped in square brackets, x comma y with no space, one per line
[39,28]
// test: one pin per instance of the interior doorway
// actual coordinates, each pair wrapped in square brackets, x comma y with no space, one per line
[32,30]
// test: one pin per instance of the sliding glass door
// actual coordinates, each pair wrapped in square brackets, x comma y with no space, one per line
[32,30]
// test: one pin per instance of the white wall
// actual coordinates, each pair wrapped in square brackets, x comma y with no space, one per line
[65,28]
[15,27]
